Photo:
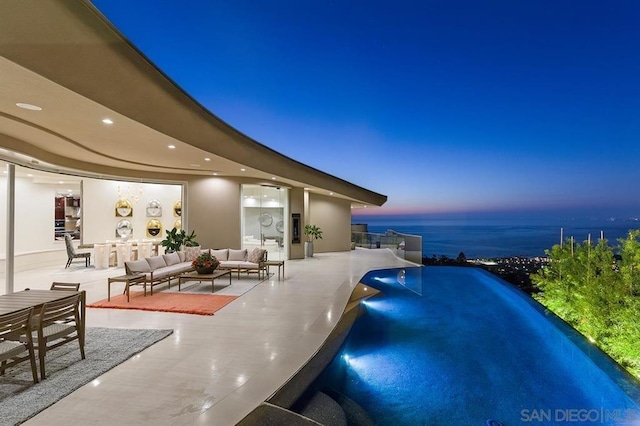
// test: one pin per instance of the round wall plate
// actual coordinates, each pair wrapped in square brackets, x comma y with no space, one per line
[265,219]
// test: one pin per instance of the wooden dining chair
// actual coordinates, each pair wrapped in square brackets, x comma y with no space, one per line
[12,327]
[59,323]
[65,286]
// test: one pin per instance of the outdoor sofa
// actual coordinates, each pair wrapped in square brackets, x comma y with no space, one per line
[163,268]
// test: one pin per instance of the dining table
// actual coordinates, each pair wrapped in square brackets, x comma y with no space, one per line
[16,301]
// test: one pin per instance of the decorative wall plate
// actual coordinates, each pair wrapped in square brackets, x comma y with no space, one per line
[177,208]
[280,226]
[124,208]
[154,208]
[265,219]
[177,224]
[124,229]
[154,228]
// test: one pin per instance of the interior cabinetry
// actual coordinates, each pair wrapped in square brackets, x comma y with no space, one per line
[67,217]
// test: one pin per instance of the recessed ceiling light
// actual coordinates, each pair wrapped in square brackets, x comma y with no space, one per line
[207,159]
[331,193]
[215,173]
[171,147]
[29,175]
[61,182]
[30,107]
[273,178]
[107,121]
[243,170]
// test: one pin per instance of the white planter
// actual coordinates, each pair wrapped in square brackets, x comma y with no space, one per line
[308,249]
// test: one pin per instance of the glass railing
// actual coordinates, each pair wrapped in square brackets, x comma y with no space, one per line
[405,246]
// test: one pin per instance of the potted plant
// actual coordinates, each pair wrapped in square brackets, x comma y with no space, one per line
[174,240]
[205,263]
[312,232]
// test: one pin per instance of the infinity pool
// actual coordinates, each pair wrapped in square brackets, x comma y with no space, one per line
[458,346]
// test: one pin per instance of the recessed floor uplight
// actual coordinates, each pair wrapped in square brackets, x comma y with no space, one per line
[207,159]
[171,147]
[243,170]
[107,121]
[30,107]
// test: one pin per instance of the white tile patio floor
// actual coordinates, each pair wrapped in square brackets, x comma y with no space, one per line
[211,370]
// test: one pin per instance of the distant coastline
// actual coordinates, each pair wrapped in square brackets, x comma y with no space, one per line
[487,238]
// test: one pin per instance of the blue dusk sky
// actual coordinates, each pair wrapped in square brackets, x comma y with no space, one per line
[444,106]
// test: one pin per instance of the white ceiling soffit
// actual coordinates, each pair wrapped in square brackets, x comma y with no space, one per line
[66,58]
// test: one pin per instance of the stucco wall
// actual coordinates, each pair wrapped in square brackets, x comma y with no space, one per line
[214,211]
[333,216]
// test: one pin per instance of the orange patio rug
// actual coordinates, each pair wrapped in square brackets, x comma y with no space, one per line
[184,303]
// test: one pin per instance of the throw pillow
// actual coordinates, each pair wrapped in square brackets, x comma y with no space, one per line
[255,256]
[191,253]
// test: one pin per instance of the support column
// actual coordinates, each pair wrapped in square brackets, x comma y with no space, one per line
[10,243]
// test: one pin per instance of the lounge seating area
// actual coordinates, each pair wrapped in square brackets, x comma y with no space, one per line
[163,268]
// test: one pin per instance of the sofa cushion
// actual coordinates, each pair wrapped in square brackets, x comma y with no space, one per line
[237,255]
[137,266]
[156,262]
[171,258]
[220,254]
[191,253]
[183,256]
[247,265]
[256,255]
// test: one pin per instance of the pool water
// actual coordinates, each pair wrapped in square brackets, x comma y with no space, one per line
[458,346]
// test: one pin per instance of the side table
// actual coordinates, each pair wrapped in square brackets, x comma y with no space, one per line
[278,263]
[128,280]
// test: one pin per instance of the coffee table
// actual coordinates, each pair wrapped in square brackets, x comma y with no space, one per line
[194,276]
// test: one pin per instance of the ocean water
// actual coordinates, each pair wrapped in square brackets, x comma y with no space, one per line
[481,238]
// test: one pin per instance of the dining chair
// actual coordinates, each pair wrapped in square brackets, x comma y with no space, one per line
[72,254]
[65,286]
[58,323]
[13,326]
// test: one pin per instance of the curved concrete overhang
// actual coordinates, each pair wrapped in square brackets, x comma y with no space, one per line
[67,58]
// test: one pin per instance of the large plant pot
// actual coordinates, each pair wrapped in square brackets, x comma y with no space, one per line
[204,271]
[308,249]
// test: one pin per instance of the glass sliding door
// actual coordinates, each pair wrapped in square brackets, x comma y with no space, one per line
[263,222]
